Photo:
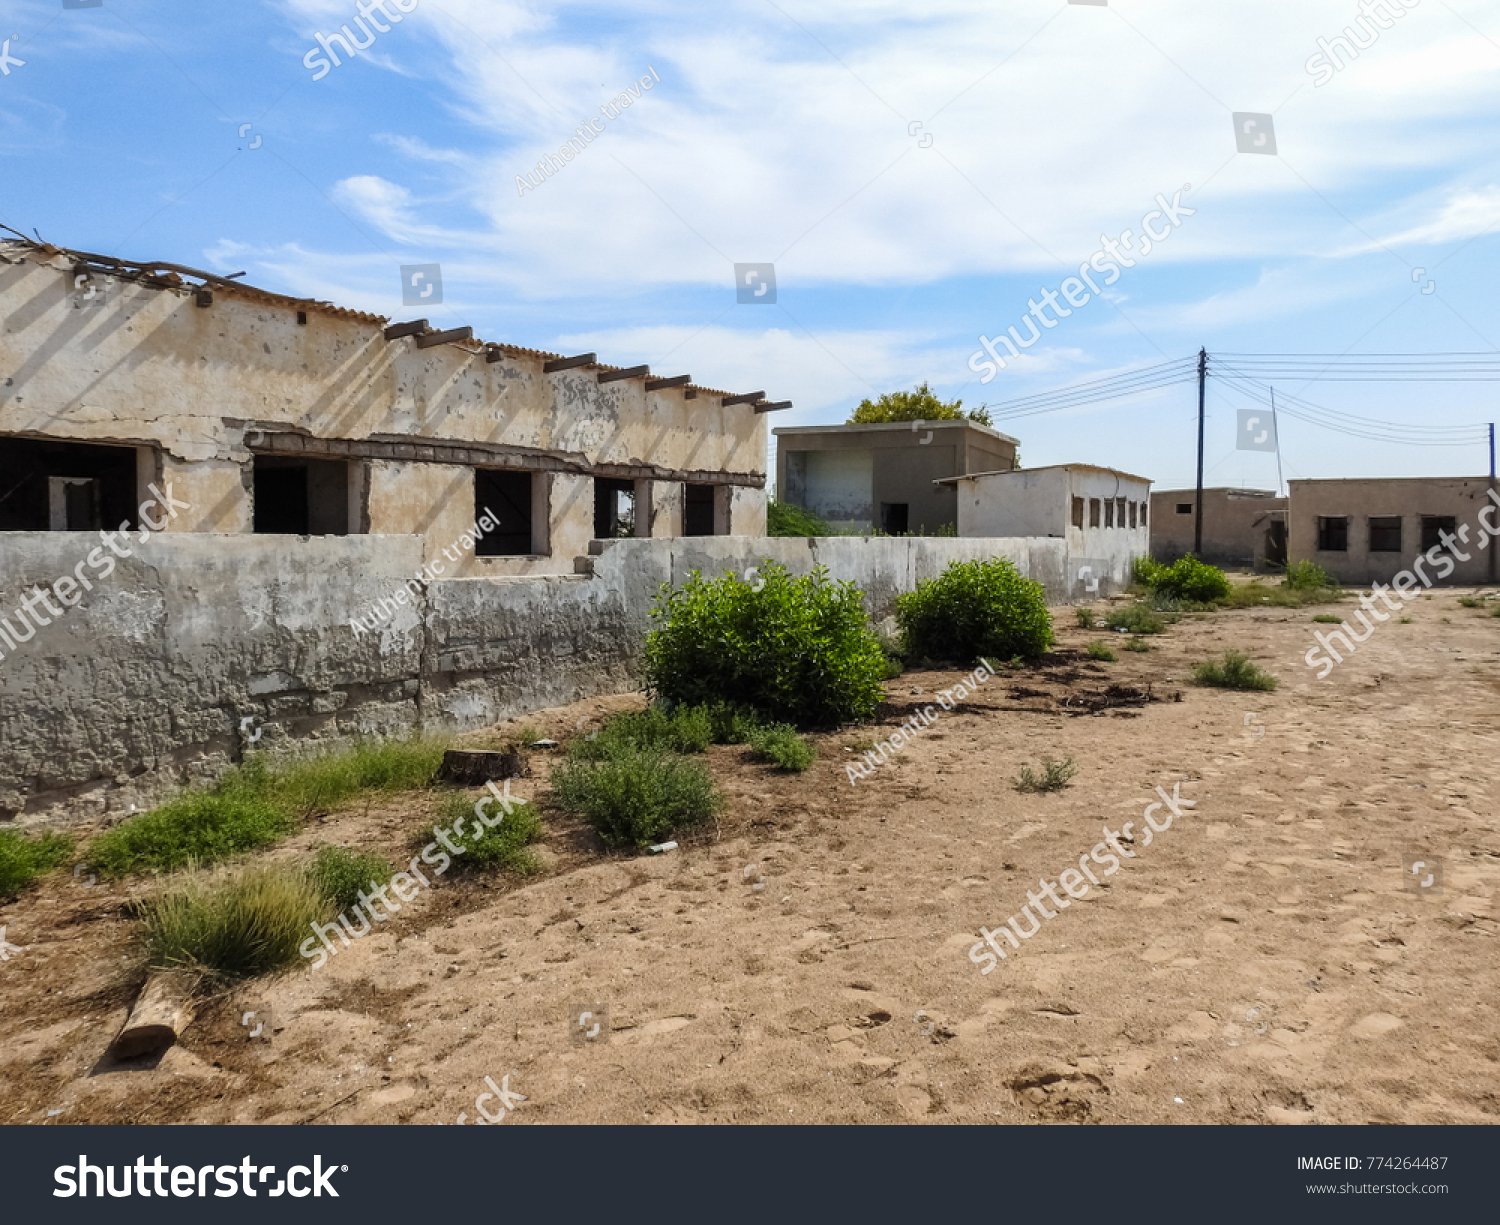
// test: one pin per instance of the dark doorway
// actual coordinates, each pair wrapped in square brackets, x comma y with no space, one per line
[614,509]
[66,486]
[893,517]
[698,510]
[506,494]
[301,497]
[1276,543]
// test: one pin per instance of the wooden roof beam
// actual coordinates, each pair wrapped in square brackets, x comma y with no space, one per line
[570,363]
[634,372]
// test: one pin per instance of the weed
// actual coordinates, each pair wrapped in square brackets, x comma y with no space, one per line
[1054,777]
[200,827]
[23,859]
[501,845]
[779,744]
[1135,619]
[1407,620]
[1085,618]
[1235,671]
[789,519]
[1305,575]
[340,874]
[687,729]
[235,926]
[1468,601]
[388,766]
[1098,650]
[1138,645]
[528,736]
[1328,619]
[638,797]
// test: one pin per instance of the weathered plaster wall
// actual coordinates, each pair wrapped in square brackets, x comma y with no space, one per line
[145,683]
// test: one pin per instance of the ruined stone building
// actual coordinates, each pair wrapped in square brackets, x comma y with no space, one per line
[274,415]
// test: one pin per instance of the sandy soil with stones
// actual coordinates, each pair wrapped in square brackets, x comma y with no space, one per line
[806,959]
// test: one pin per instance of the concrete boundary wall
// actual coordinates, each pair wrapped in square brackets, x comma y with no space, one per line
[197,649]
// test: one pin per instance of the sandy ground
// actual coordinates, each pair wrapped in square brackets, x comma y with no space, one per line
[1261,961]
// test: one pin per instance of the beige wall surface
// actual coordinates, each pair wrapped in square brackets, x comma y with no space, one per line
[1235,523]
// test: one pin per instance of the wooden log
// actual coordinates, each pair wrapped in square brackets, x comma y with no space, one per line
[472,768]
[162,1012]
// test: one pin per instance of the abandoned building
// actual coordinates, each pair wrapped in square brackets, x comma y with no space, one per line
[880,477]
[273,415]
[1364,531]
[1241,527]
[1100,512]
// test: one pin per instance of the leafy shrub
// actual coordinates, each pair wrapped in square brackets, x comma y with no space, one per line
[779,744]
[23,859]
[1305,575]
[1138,645]
[687,729]
[1054,777]
[795,650]
[1235,671]
[1187,578]
[1143,571]
[501,845]
[976,609]
[789,519]
[1098,650]
[1135,619]
[234,927]
[637,798]
[201,827]
[340,874]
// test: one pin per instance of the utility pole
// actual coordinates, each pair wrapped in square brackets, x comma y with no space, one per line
[1492,493]
[1198,516]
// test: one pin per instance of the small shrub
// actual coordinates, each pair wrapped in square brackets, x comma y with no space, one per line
[528,736]
[1085,618]
[1468,601]
[1135,619]
[1054,777]
[976,609]
[488,847]
[639,797]
[340,874]
[779,744]
[1187,578]
[1305,575]
[234,927]
[1407,620]
[1098,650]
[1328,619]
[687,729]
[1143,572]
[795,650]
[1235,671]
[23,858]
[789,519]
[201,827]
[1138,645]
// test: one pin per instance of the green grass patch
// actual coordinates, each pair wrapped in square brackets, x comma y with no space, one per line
[1234,671]
[201,827]
[1055,776]
[687,729]
[23,858]
[234,926]
[789,519]
[1101,651]
[385,767]
[779,744]
[1136,619]
[639,797]
[1328,619]
[341,874]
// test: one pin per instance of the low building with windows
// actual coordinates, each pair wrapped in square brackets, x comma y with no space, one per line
[1102,514]
[1364,531]
[273,415]
[881,477]
[1241,527]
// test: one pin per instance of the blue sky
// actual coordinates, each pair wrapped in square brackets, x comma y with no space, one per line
[799,134]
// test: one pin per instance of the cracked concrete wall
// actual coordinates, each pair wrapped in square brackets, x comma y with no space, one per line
[149,367]
[145,684]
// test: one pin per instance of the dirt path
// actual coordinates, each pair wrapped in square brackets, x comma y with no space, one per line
[1262,960]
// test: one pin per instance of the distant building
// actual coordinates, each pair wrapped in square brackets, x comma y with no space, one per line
[1366,531]
[1241,527]
[1100,512]
[863,477]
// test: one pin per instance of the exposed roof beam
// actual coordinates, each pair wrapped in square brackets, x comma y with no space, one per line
[429,339]
[677,380]
[773,408]
[397,330]
[634,372]
[569,363]
[750,397]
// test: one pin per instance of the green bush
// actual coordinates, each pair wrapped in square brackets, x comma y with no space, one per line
[779,744]
[687,729]
[236,926]
[340,874]
[639,797]
[1143,572]
[1235,671]
[1189,579]
[1139,645]
[23,859]
[201,827]
[488,847]
[789,519]
[794,650]
[1055,776]
[1098,650]
[1305,575]
[973,610]
[1085,617]
[1135,619]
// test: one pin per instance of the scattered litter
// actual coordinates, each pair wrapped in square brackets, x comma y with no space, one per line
[1179,1101]
[544,744]
[663,846]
